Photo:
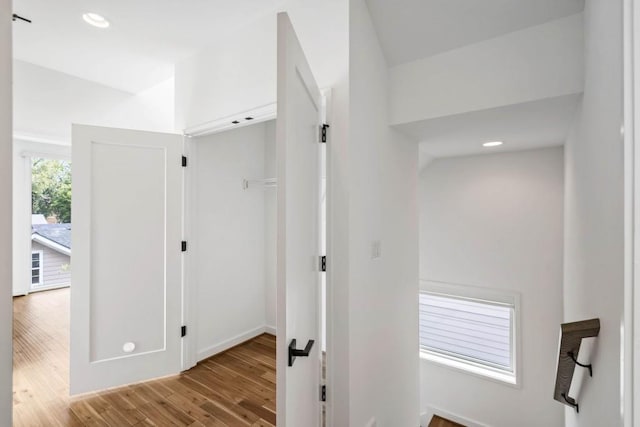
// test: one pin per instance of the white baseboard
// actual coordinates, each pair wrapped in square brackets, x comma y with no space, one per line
[425,418]
[232,342]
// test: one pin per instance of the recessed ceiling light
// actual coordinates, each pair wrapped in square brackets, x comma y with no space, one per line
[492,144]
[95,20]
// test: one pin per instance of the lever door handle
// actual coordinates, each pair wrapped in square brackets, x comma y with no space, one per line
[294,352]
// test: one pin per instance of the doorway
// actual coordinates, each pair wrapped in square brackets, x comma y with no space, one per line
[41,309]
[50,224]
[311,131]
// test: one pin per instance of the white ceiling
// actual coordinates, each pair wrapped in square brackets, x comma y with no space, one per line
[530,125]
[145,39]
[413,29]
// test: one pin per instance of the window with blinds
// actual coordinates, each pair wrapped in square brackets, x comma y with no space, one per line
[472,331]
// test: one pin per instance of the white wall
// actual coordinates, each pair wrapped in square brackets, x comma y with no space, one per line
[535,63]
[47,102]
[241,68]
[382,173]
[594,226]
[6,311]
[496,221]
[270,227]
[229,246]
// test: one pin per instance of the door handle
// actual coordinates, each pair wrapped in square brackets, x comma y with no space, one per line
[294,352]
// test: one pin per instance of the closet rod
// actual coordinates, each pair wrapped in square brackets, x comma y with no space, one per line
[265,183]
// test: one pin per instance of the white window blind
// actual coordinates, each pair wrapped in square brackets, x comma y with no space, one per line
[476,331]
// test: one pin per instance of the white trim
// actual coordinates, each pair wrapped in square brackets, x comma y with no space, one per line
[21,226]
[230,343]
[469,368]
[40,139]
[630,369]
[262,113]
[332,241]
[271,330]
[51,244]
[46,155]
[49,288]
[510,298]
[426,417]
[259,114]
[189,289]
[81,396]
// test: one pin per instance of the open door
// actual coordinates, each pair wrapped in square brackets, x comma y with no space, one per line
[126,292]
[299,183]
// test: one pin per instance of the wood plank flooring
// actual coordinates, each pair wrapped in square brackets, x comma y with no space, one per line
[437,421]
[235,388]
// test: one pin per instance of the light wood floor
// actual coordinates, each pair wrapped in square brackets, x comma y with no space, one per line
[235,388]
[437,421]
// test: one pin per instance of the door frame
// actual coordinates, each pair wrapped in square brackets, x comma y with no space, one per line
[6,247]
[329,215]
[188,291]
[631,322]
[25,150]
[260,114]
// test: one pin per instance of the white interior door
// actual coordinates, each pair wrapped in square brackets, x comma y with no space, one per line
[299,182]
[126,293]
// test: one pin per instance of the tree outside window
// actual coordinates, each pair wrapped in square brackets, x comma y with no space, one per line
[51,189]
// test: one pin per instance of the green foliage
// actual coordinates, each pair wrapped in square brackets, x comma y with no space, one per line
[51,189]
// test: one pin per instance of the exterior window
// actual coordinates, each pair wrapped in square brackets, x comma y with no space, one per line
[36,268]
[465,331]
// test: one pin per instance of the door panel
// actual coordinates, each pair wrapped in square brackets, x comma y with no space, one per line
[298,154]
[126,276]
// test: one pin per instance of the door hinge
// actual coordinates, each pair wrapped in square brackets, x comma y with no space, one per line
[323,393]
[184,246]
[323,263]
[184,161]
[323,132]
[183,331]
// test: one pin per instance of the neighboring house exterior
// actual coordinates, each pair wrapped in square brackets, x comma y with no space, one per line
[50,256]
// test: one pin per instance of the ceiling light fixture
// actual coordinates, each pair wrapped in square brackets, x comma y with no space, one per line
[492,144]
[95,20]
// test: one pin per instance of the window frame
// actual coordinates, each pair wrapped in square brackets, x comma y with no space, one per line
[40,269]
[466,365]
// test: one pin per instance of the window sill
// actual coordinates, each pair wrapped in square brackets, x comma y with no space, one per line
[469,368]
[48,287]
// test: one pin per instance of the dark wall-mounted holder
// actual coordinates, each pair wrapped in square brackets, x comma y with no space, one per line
[294,352]
[570,342]
[16,17]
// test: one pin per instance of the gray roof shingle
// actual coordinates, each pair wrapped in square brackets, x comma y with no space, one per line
[58,233]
